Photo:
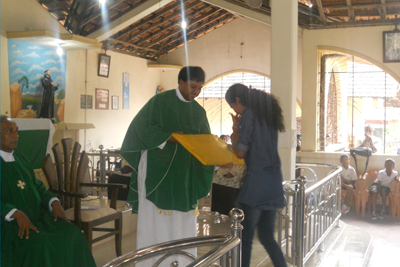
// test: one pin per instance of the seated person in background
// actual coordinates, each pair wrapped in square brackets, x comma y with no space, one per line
[34,229]
[225,186]
[348,177]
[381,186]
[375,143]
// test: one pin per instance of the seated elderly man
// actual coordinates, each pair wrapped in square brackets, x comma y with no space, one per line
[34,229]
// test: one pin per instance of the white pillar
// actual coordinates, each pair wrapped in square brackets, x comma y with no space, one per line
[284,32]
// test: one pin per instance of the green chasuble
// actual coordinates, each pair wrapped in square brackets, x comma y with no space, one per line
[175,179]
[58,243]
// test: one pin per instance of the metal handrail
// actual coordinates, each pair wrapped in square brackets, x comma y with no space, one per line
[303,224]
[228,243]
[310,214]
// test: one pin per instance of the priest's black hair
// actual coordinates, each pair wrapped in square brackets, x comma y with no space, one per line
[192,73]
[4,117]
[264,105]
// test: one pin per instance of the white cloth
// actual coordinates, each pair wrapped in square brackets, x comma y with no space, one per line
[180,96]
[384,178]
[154,228]
[9,157]
[349,174]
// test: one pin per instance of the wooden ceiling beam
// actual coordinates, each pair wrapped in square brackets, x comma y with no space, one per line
[197,34]
[110,4]
[130,16]
[357,6]
[366,16]
[157,24]
[115,41]
[122,51]
[321,11]
[196,29]
[357,23]
[60,9]
[191,22]
[382,9]
[350,11]
[194,33]
[125,32]
[242,9]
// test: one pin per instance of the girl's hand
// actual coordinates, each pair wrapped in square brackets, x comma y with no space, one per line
[235,119]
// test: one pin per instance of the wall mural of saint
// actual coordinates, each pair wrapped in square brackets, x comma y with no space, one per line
[33,92]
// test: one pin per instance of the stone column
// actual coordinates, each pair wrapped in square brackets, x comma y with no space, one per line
[284,34]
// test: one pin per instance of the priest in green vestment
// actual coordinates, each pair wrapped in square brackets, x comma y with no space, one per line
[167,180]
[34,229]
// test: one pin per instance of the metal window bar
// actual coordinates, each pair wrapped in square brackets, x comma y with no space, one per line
[312,211]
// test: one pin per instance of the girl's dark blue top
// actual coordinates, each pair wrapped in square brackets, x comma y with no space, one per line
[262,182]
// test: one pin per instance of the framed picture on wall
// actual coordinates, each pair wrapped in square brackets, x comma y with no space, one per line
[125,90]
[86,101]
[114,102]
[89,101]
[391,46]
[102,99]
[104,65]
[83,101]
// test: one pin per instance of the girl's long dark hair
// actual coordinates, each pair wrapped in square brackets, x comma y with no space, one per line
[264,105]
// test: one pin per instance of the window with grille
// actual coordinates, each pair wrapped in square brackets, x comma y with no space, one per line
[353,94]
[212,99]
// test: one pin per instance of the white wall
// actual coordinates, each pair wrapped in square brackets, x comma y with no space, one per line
[111,125]
[365,41]
[169,78]
[219,51]
[5,81]
[27,15]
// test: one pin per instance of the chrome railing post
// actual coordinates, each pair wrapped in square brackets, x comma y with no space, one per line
[102,169]
[236,216]
[299,224]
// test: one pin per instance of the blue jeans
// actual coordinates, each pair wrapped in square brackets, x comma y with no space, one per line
[265,221]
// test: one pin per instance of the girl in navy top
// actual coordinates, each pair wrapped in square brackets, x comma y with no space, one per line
[255,138]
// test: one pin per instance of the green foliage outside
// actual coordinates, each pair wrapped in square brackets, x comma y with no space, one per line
[61,94]
[392,138]
[34,101]
[23,82]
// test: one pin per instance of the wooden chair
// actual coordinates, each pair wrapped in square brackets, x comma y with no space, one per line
[67,179]
[394,198]
[361,194]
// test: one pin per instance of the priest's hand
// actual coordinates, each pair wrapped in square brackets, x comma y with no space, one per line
[172,140]
[227,166]
[58,211]
[24,224]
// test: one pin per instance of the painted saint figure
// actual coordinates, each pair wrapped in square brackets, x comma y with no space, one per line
[47,109]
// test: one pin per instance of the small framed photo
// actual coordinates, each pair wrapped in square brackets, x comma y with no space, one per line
[391,46]
[114,102]
[102,99]
[104,65]
[86,101]
[89,101]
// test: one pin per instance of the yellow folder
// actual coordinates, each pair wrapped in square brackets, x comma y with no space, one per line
[209,149]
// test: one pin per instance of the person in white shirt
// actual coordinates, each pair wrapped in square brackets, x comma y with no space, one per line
[374,142]
[348,177]
[381,186]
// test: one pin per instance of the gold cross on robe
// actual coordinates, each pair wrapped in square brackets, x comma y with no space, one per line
[21,184]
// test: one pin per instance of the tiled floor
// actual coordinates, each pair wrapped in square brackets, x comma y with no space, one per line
[385,238]
[351,249]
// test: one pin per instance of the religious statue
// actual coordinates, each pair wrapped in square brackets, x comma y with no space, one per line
[47,109]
